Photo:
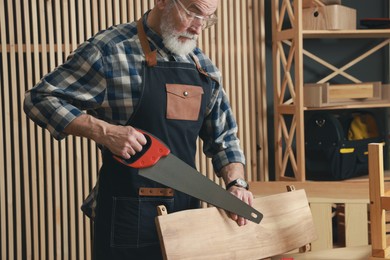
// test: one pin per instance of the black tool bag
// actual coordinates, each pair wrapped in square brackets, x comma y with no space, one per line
[329,153]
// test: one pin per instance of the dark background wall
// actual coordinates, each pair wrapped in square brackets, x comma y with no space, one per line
[336,51]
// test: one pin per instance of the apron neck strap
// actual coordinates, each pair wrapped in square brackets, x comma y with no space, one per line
[150,56]
[199,67]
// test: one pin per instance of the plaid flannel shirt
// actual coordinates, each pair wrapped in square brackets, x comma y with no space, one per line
[102,77]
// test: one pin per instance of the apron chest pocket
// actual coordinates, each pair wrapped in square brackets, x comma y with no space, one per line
[183,101]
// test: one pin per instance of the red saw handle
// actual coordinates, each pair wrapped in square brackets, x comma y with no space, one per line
[151,153]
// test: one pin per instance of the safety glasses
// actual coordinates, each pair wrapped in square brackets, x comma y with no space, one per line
[206,21]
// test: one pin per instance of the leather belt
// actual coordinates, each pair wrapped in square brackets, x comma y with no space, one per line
[164,192]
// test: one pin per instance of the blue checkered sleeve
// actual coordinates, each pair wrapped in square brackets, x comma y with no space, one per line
[79,84]
[219,130]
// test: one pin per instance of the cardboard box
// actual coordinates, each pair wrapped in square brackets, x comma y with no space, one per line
[330,17]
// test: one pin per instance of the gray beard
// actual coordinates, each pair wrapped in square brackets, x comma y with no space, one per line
[172,43]
[171,38]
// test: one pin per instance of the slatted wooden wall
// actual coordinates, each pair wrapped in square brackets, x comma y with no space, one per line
[42,181]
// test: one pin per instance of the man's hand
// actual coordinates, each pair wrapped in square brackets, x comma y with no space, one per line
[245,196]
[230,173]
[123,141]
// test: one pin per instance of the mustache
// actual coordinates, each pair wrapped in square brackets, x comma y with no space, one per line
[188,35]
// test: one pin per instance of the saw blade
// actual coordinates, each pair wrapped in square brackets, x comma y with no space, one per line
[174,173]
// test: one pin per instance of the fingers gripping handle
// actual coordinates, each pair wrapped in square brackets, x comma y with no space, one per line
[150,154]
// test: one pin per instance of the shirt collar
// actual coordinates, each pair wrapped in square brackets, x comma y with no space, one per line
[154,38]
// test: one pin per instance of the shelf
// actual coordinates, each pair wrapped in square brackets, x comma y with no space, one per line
[290,109]
[359,33]
[350,106]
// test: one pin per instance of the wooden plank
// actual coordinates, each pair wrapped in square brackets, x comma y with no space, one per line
[252,94]
[71,198]
[108,14]
[130,10]
[287,224]
[345,253]
[377,188]
[385,202]
[332,17]
[245,89]
[232,54]
[86,188]
[69,242]
[116,12]
[123,11]
[102,15]
[328,192]
[36,134]
[88,19]
[277,87]
[322,217]
[82,160]
[79,194]
[13,234]
[356,216]
[95,16]
[262,91]
[60,184]
[71,145]
[80,22]
[53,186]
[95,163]
[323,94]
[22,191]
[314,3]
[46,61]
[237,94]
[30,182]
[3,157]
[342,91]
[298,63]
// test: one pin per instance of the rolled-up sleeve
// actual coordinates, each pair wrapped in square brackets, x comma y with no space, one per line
[62,95]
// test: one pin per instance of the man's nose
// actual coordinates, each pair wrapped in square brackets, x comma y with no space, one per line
[197,25]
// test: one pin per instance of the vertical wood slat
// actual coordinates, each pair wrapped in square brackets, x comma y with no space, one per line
[53,179]
[322,216]
[46,196]
[8,142]
[72,146]
[36,155]
[356,216]
[41,196]
[30,204]
[3,159]
[25,210]
[83,167]
[261,97]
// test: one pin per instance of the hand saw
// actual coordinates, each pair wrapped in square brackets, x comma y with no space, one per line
[156,163]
